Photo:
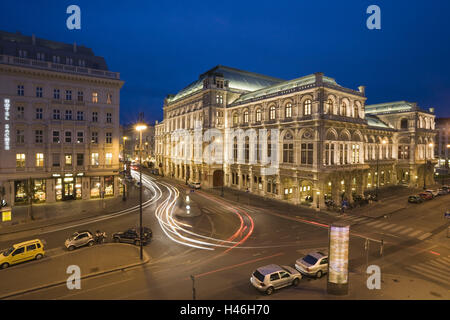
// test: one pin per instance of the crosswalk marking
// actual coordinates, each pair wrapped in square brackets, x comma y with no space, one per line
[435,274]
[378,225]
[398,228]
[407,231]
[372,223]
[440,265]
[446,259]
[424,236]
[422,271]
[389,226]
[415,233]
[360,219]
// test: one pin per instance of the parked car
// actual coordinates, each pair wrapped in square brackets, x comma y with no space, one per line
[434,193]
[21,252]
[442,191]
[313,264]
[80,239]
[132,236]
[415,199]
[426,195]
[195,185]
[271,277]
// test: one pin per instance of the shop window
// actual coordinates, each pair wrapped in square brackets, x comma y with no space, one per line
[20,191]
[58,188]
[39,190]
[95,187]
[109,186]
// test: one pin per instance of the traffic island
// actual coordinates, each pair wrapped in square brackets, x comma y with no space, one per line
[52,270]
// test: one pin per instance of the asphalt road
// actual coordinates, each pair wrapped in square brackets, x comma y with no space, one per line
[224,245]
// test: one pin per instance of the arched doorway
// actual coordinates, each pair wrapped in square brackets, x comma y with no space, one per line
[218,178]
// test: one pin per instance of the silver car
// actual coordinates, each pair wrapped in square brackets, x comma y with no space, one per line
[79,239]
[195,185]
[313,264]
[268,278]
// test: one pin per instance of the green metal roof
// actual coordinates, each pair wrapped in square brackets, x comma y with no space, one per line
[309,79]
[237,79]
[390,107]
[374,121]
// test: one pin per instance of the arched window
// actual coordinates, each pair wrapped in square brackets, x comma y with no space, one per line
[246,116]
[258,115]
[343,109]
[404,124]
[235,118]
[356,111]
[247,149]
[235,149]
[272,113]
[307,107]
[288,148]
[269,145]
[288,111]
[328,107]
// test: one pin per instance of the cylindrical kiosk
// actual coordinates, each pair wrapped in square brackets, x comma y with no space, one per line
[338,237]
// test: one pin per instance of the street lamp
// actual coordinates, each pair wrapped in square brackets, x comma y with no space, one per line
[140,128]
[378,174]
[425,166]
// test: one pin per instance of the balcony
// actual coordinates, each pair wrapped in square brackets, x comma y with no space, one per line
[46,65]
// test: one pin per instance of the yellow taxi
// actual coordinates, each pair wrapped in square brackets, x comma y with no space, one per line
[21,252]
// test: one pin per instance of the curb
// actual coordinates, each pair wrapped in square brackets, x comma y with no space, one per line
[90,275]
[63,222]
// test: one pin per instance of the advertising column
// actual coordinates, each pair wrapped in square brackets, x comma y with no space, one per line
[338,259]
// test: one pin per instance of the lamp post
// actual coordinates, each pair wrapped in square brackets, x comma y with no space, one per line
[378,174]
[425,167]
[140,128]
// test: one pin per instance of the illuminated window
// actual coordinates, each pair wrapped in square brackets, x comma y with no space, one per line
[39,159]
[235,119]
[68,159]
[20,160]
[307,107]
[272,114]
[109,98]
[288,111]
[94,97]
[94,159]
[258,115]
[108,158]
[245,116]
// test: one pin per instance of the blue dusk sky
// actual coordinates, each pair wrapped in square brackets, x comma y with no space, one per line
[159,47]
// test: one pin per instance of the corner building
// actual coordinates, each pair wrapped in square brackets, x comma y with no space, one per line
[60,122]
[330,144]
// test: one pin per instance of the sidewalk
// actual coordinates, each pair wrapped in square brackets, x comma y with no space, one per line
[51,270]
[67,211]
[391,200]
[393,287]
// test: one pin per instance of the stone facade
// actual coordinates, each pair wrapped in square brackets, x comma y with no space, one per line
[329,145]
[60,105]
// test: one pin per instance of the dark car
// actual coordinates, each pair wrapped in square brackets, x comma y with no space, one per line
[132,236]
[415,199]
[426,196]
